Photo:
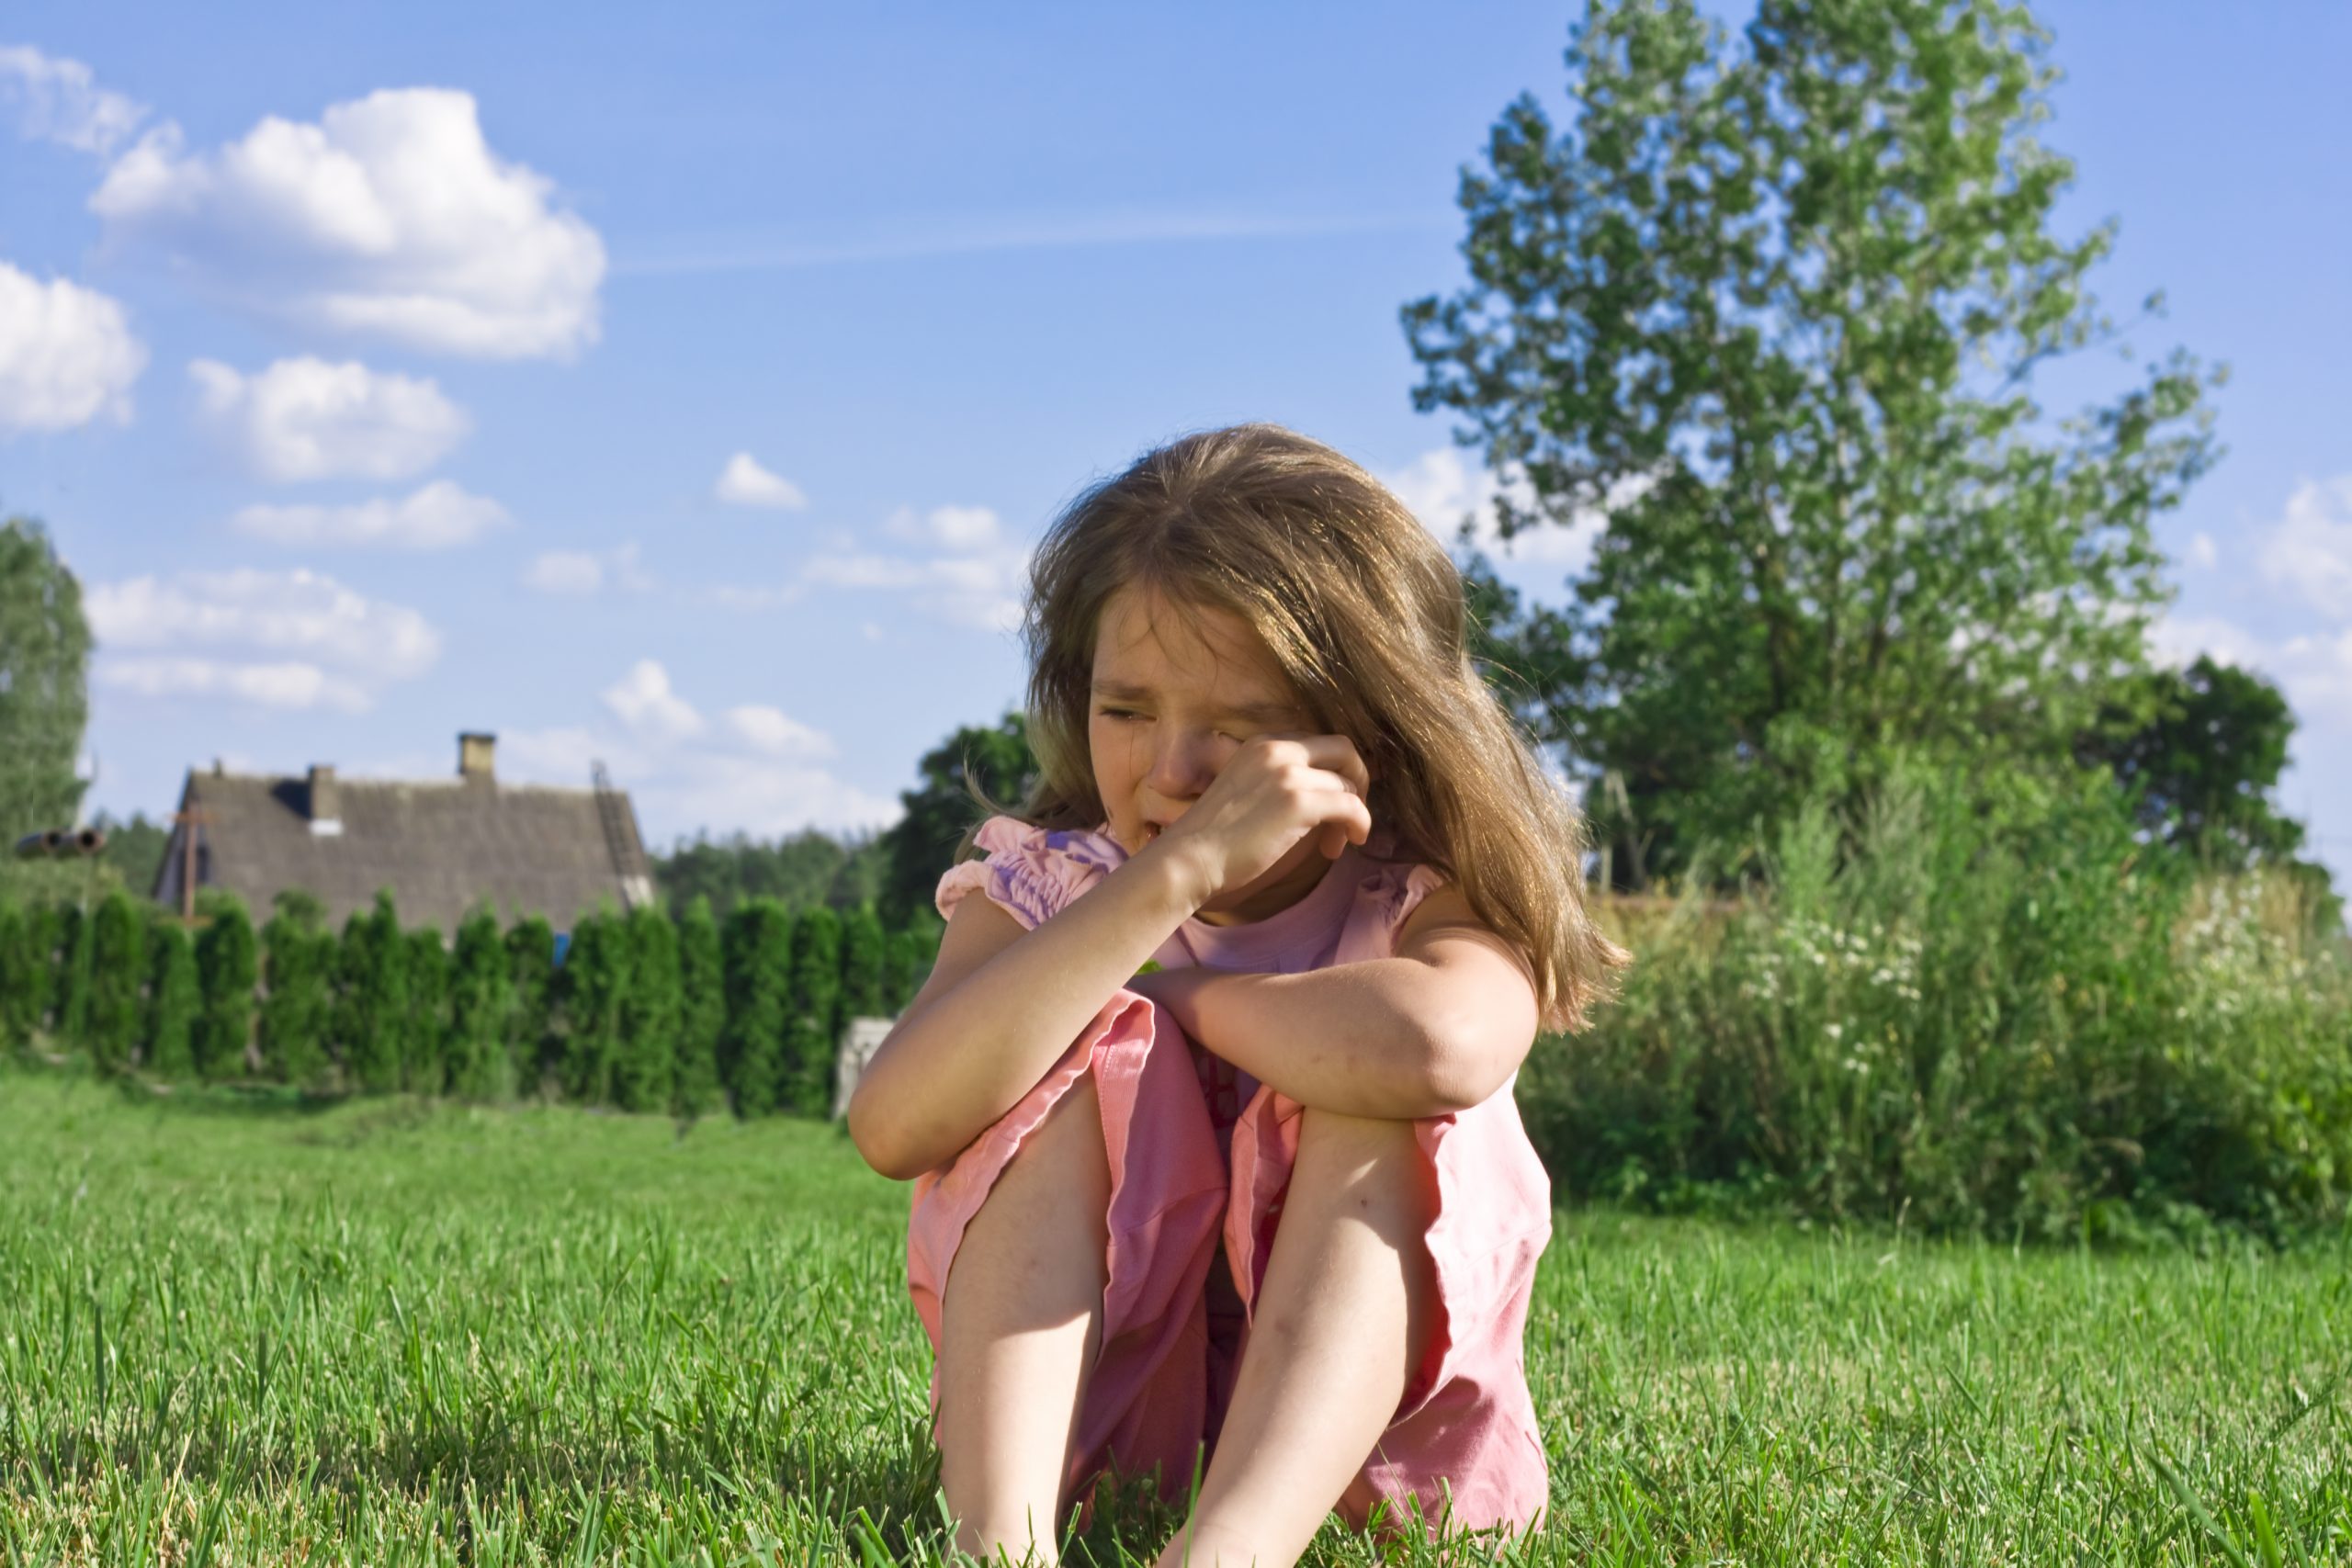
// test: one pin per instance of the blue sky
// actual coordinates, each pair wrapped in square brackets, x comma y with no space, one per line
[683,388]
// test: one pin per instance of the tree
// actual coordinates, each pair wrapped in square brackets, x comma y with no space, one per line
[371,997]
[756,950]
[940,809]
[134,849]
[701,1016]
[44,702]
[428,965]
[865,956]
[530,1031]
[805,1086]
[807,869]
[298,971]
[117,982]
[591,984]
[176,1000]
[21,969]
[646,1066]
[906,964]
[1776,313]
[481,998]
[72,989]
[226,968]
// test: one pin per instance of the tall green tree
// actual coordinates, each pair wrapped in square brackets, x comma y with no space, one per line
[176,1000]
[906,963]
[371,997]
[756,949]
[134,849]
[1770,317]
[646,1067]
[20,970]
[227,967]
[75,951]
[592,985]
[481,998]
[298,955]
[811,1039]
[531,1046]
[865,958]
[117,981]
[44,703]
[424,1068]
[940,808]
[702,1015]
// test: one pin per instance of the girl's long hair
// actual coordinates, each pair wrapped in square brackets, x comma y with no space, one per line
[1363,610]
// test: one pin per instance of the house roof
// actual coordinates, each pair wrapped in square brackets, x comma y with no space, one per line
[441,846]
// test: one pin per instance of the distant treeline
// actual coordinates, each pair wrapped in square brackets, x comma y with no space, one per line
[643,1011]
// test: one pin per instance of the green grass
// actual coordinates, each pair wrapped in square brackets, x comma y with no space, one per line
[391,1332]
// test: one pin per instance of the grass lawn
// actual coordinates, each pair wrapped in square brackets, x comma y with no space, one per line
[393,1332]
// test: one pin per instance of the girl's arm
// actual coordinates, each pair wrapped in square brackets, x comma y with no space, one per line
[1001,1007]
[1438,1027]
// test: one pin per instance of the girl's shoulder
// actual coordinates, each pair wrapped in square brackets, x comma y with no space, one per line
[1029,872]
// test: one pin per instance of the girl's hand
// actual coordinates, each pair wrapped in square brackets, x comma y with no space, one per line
[1275,790]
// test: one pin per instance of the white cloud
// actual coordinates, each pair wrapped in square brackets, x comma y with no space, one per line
[576,574]
[2314,672]
[743,482]
[66,355]
[1444,490]
[390,217]
[60,100]
[770,730]
[2309,551]
[307,419]
[293,684]
[2202,553]
[566,574]
[272,638]
[440,516]
[947,527]
[643,701]
[756,770]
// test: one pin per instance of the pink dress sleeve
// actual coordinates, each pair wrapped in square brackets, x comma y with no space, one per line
[1030,872]
[1405,894]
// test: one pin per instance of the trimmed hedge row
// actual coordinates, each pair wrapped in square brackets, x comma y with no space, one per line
[643,1013]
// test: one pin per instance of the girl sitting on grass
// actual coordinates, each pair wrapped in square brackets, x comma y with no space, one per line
[1207,1097]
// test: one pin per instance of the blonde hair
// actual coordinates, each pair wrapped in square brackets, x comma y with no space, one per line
[1363,610]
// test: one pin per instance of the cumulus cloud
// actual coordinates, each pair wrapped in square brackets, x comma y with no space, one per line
[643,701]
[307,419]
[291,685]
[273,638]
[2309,550]
[1455,501]
[757,771]
[440,516]
[578,574]
[743,482]
[389,216]
[970,575]
[67,355]
[60,100]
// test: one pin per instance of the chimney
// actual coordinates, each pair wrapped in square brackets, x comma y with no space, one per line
[327,801]
[474,750]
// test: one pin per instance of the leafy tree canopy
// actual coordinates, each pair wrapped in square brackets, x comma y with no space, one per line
[1770,316]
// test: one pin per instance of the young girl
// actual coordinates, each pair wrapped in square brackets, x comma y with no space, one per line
[1269,1203]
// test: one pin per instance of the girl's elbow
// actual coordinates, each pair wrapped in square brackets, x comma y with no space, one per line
[873,1132]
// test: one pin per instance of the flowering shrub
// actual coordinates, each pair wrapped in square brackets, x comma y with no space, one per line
[2048,1028]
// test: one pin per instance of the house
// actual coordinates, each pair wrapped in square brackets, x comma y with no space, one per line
[441,846]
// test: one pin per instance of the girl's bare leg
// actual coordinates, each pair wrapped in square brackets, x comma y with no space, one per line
[1021,1324]
[1348,1304]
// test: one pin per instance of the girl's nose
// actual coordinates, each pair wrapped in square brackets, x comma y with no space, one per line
[1184,765]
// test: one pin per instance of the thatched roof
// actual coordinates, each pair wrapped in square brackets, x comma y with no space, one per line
[441,846]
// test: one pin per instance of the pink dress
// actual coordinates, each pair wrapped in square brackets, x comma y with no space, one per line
[1200,1152]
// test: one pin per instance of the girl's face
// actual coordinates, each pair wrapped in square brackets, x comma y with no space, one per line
[1172,700]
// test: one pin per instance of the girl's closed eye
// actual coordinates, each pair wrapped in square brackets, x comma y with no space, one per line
[1130,713]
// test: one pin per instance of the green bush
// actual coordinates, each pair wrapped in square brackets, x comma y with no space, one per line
[117,981]
[227,968]
[175,1000]
[2041,1028]
[806,1084]
[589,986]
[757,953]
[299,959]
[371,997]
[646,1065]
[482,997]
[701,1016]
[423,1070]
[531,1045]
